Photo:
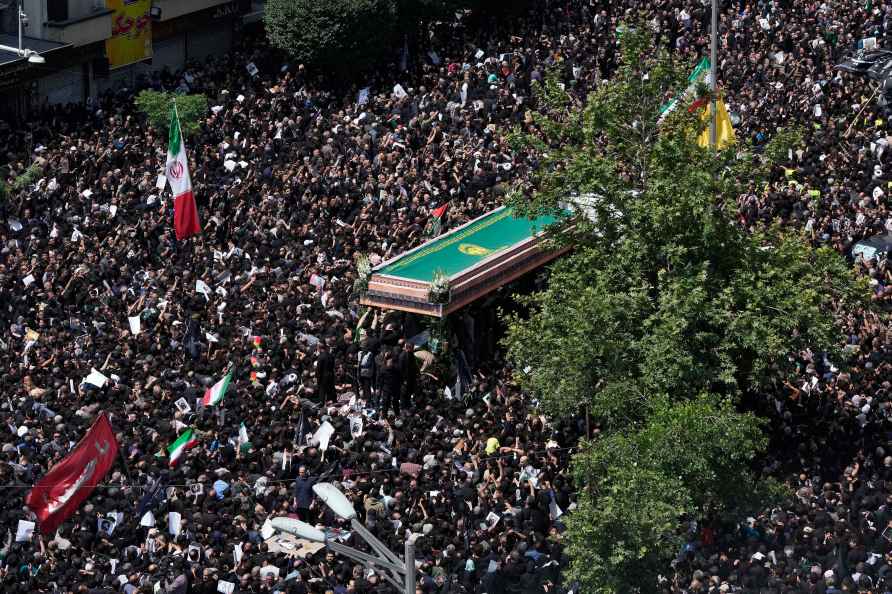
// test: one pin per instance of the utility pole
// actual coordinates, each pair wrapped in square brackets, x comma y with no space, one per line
[714,74]
[409,560]
[399,573]
[20,17]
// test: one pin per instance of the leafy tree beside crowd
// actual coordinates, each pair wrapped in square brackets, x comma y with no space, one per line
[156,107]
[666,317]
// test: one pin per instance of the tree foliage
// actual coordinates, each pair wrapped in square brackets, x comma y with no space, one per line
[156,107]
[339,35]
[663,315]
[346,37]
[635,487]
[27,178]
[664,292]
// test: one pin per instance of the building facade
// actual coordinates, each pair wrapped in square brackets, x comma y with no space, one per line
[73,38]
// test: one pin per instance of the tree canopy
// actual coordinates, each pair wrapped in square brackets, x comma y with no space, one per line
[156,107]
[663,315]
[340,35]
[664,292]
[683,461]
[346,37]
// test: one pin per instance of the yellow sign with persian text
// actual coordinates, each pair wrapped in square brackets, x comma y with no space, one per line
[131,39]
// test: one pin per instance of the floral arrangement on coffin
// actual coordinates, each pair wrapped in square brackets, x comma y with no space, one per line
[440,290]
[363,274]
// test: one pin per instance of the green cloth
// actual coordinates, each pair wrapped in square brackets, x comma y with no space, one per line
[455,252]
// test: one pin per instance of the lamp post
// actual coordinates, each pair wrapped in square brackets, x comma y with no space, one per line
[33,57]
[400,573]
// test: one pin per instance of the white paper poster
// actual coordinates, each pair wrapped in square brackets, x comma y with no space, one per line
[147,520]
[174,521]
[323,434]
[317,281]
[25,531]
[356,425]
[267,530]
[203,288]
[96,378]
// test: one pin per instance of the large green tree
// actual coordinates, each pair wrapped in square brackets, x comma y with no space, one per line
[156,106]
[684,459]
[347,37]
[343,36]
[664,293]
[664,317]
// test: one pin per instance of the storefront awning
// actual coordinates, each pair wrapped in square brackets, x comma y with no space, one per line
[478,257]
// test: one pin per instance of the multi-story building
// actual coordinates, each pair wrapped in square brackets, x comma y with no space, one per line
[73,38]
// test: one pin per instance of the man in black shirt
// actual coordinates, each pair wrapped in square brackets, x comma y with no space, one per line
[325,374]
[408,373]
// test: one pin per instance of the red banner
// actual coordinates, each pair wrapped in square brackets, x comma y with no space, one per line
[67,484]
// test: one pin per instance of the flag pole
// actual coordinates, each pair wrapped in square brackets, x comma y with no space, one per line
[714,71]
[121,456]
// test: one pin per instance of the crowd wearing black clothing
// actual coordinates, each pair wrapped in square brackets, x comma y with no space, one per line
[292,183]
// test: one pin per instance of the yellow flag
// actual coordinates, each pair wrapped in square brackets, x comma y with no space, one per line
[724,130]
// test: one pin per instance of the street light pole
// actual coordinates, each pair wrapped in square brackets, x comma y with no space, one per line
[410,567]
[19,17]
[714,71]
[399,573]
[378,546]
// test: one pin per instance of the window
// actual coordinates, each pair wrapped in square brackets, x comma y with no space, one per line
[57,10]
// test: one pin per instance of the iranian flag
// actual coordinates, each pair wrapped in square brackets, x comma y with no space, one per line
[215,393]
[701,74]
[184,442]
[185,218]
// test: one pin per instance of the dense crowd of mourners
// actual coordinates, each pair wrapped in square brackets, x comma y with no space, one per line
[293,181]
